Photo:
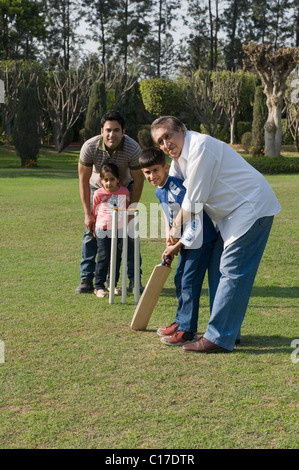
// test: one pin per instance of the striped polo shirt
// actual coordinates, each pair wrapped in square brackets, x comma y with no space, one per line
[125,157]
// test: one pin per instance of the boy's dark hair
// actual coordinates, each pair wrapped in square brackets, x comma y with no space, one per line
[111,168]
[152,156]
[113,116]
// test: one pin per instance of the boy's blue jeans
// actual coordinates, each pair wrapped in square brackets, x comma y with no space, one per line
[89,252]
[238,266]
[189,276]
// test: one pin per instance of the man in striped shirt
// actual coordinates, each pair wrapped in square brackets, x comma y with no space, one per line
[111,146]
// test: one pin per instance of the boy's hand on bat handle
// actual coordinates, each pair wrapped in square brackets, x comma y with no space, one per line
[171,251]
[166,259]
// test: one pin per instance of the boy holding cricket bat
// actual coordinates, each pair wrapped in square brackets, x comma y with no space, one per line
[193,261]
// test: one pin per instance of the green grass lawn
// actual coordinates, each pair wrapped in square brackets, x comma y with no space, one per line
[76,376]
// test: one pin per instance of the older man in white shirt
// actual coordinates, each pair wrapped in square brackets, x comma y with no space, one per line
[242,204]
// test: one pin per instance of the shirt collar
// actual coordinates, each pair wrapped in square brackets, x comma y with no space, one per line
[102,146]
[185,149]
[161,187]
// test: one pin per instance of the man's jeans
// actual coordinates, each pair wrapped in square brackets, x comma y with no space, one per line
[89,251]
[238,266]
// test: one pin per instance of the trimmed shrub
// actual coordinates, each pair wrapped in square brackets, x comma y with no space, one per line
[144,137]
[97,105]
[259,118]
[246,141]
[27,130]
[274,166]
[241,128]
[161,96]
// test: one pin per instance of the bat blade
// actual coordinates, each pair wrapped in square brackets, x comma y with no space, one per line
[150,296]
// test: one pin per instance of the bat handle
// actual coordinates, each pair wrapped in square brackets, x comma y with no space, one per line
[165,257]
[164,262]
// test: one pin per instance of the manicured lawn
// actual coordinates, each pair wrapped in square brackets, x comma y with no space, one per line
[76,376]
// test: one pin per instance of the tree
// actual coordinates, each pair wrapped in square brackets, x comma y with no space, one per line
[97,105]
[280,28]
[129,26]
[233,89]
[131,107]
[259,25]
[99,15]
[197,52]
[233,22]
[62,18]
[21,24]
[161,96]
[273,68]
[64,99]
[158,52]
[292,109]
[26,131]
[293,122]
[295,25]
[258,122]
[213,24]
[16,75]
[203,101]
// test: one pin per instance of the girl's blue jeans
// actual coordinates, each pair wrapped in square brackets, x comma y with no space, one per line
[103,238]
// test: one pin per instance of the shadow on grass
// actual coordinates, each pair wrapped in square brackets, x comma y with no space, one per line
[258,344]
[39,172]
[267,291]
[50,164]
[276,291]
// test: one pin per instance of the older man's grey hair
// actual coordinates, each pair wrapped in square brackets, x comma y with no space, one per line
[175,123]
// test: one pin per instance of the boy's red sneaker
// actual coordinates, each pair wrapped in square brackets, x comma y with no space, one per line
[179,338]
[168,330]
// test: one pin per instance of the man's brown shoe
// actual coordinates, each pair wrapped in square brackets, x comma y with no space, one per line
[203,345]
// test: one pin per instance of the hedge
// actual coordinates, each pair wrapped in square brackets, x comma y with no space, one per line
[274,166]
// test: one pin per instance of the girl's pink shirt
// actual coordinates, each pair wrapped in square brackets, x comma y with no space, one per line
[103,204]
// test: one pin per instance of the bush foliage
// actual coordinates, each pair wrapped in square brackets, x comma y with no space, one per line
[161,96]
[26,130]
[274,166]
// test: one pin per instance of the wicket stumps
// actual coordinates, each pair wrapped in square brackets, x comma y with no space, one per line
[124,255]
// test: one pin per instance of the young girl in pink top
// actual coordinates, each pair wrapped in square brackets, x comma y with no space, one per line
[105,199]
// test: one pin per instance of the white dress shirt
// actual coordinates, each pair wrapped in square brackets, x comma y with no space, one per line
[219,180]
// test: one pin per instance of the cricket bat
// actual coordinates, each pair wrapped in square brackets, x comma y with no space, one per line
[150,296]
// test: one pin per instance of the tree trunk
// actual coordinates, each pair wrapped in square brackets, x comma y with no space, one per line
[211,37]
[216,35]
[126,34]
[232,129]
[103,39]
[273,67]
[159,40]
[273,126]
